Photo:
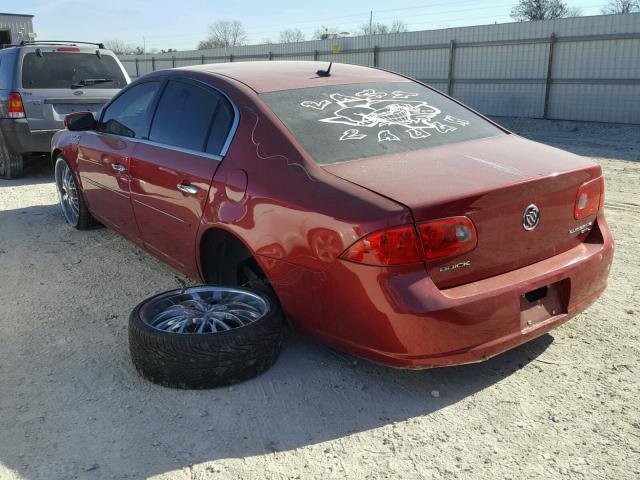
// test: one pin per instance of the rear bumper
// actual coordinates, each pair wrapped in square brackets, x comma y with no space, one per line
[21,140]
[400,318]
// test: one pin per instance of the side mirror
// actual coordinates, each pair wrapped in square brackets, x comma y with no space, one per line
[78,121]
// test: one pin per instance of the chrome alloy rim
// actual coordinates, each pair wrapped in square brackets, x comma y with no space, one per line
[67,192]
[205,310]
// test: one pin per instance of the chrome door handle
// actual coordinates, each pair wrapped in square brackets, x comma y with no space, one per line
[188,189]
[118,167]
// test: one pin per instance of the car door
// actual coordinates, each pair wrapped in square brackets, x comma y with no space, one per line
[172,171]
[104,157]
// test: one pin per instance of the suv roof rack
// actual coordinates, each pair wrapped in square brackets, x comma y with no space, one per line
[57,42]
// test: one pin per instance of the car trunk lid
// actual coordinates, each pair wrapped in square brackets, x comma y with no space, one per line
[492,181]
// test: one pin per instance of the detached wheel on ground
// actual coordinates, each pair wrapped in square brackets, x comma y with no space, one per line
[205,337]
[73,207]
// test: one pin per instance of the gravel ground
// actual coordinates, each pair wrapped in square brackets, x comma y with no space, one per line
[72,406]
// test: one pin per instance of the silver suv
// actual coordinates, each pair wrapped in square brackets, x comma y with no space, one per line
[40,83]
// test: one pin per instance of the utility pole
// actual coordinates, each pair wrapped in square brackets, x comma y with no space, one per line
[370,35]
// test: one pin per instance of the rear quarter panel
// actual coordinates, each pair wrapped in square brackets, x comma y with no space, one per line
[295,218]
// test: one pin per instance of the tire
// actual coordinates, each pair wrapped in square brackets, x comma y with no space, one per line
[11,164]
[77,215]
[202,360]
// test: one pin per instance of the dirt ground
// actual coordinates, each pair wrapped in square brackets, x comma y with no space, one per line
[71,405]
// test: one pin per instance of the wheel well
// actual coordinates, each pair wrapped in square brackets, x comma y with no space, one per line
[54,155]
[226,260]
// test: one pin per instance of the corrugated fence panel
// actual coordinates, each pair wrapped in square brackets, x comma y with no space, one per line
[422,64]
[501,69]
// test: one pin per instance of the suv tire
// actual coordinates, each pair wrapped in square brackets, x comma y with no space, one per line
[11,164]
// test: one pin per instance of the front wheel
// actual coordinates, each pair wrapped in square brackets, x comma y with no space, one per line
[73,207]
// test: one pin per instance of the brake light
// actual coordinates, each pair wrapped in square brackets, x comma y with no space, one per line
[400,245]
[588,200]
[15,108]
[447,237]
[68,49]
[393,246]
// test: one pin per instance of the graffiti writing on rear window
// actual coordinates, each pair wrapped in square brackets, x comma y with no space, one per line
[373,109]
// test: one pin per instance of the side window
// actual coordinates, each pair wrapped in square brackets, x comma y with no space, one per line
[185,115]
[7,72]
[127,116]
[220,127]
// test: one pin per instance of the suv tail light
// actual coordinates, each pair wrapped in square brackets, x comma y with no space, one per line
[447,237]
[589,199]
[401,245]
[15,107]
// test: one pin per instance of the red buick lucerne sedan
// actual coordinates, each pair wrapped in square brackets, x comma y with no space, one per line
[388,219]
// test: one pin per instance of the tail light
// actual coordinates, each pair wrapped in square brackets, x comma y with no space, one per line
[447,237]
[15,107]
[601,206]
[393,246]
[589,199]
[401,245]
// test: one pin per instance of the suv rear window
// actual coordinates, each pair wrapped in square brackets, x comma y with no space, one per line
[62,69]
[346,122]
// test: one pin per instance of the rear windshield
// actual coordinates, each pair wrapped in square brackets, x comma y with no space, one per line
[347,122]
[62,70]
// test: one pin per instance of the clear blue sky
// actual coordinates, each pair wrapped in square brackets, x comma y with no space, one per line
[181,24]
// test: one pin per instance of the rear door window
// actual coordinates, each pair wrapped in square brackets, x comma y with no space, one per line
[192,117]
[129,113]
[346,122]
[64,69]
[220,127]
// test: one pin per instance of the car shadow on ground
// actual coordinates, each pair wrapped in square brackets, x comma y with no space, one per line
[73,406]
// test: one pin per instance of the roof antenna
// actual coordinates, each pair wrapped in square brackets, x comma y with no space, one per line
[325,73]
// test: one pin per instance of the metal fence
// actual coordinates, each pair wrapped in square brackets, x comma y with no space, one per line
[583,68]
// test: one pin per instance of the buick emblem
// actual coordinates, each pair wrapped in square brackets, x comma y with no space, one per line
[531,217]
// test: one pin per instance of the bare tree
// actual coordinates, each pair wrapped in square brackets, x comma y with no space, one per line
[224,33]
[398,26]
[375,28]
[527,10]
[324,33]
[622,6]
[291,35]
[120,47]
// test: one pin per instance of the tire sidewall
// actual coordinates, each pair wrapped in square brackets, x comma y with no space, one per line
[60,160]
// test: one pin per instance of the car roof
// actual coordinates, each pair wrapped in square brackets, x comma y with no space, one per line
[53,47]
[271,76]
